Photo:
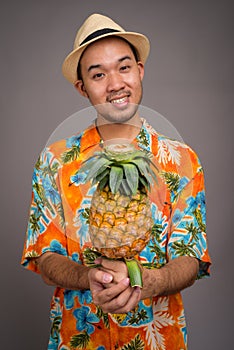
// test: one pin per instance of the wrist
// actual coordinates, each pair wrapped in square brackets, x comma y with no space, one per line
[149,283]
[153,283]
[83,277]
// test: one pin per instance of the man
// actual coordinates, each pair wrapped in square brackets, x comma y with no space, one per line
[96,308]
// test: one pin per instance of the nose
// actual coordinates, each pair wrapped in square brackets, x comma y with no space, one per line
[115,82]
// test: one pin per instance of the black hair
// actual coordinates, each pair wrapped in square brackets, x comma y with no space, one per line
[134,51]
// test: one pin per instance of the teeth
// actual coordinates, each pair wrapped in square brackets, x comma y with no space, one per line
[120,100]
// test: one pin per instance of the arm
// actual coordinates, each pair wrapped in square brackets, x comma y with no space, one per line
[173,277]
[58,270]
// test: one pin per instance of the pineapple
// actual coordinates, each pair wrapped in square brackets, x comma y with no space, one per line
[120,220]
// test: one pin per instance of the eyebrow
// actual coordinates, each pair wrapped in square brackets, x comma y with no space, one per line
[94,66]
[124,58]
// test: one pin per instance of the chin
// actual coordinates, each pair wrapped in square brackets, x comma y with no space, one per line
[117,114]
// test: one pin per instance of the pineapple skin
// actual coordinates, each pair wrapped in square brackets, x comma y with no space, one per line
[120,225]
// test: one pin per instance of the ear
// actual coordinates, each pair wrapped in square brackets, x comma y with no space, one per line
[79,86]
[141,69]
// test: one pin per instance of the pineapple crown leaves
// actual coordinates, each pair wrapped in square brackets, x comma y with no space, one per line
[122,167]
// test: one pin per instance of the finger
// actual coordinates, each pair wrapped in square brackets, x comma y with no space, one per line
[106,295]
[97,275]
[114,265]
[97,281]
[125,302]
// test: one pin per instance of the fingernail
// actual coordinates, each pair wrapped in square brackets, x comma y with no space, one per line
[137,289]
[107,278]
[126,281]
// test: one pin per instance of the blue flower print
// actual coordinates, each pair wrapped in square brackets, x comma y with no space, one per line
[182,183]
[55,309]
[76,258]
[55,246]
[85,318]
[84,296]
[82,222]
[50,191]
[158,242]
[158,217]
[101,348]
[73,141]
[69,298]
[202,200]
[197,202]
[56,319]
[78,178]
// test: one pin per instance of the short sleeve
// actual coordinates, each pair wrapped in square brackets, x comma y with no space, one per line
[188,224]
[46,227]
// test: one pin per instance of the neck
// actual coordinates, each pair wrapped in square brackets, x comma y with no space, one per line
[118,132]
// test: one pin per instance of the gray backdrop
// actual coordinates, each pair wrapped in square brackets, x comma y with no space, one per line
[189,80]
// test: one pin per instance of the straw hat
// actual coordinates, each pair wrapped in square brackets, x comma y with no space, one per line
[94,28]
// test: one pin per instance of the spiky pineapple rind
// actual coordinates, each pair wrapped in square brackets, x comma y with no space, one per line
[125,251]
[124,171]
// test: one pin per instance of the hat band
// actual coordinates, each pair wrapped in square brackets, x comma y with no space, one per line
[98,33]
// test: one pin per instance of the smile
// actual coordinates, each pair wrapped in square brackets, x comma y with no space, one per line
[120,100]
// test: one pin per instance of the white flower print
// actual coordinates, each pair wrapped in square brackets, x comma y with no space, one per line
[149,128]
[161,319]
[168,151]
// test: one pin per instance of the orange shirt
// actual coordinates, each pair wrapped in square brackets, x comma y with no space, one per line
[58,223]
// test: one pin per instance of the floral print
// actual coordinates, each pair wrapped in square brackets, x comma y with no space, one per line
[58,223]
[85,318]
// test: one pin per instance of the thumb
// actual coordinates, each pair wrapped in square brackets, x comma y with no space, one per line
[107,277]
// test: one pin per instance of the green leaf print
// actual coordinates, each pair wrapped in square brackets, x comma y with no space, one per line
[103,316]
[43,201]
[32,254]
[157,231]
[193,230]
[80,341]
[172,181]
[41,194]
[51,171]
[142,138]
[135,344]
[138,316]
[38,164]
[183,249]
[90,256]
[55,327]
[85,214]
[71,154]
[156,240]
[198,216]
[54,169]
[60,211]
[34,222]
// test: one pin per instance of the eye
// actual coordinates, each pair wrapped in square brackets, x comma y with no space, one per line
[125,68]
[98,76]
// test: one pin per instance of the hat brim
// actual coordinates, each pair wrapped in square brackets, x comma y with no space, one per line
[139,41]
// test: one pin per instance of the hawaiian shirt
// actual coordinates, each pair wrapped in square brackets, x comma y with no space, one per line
[58,223]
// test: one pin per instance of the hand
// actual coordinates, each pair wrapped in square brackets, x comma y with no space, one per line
[109,290]
[116,268]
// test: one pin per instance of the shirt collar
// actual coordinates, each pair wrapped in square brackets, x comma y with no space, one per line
[91,137]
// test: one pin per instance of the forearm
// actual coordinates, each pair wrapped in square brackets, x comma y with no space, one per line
[60,271]
[173,277]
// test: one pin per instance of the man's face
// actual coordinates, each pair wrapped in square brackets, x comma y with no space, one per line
[111,79]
